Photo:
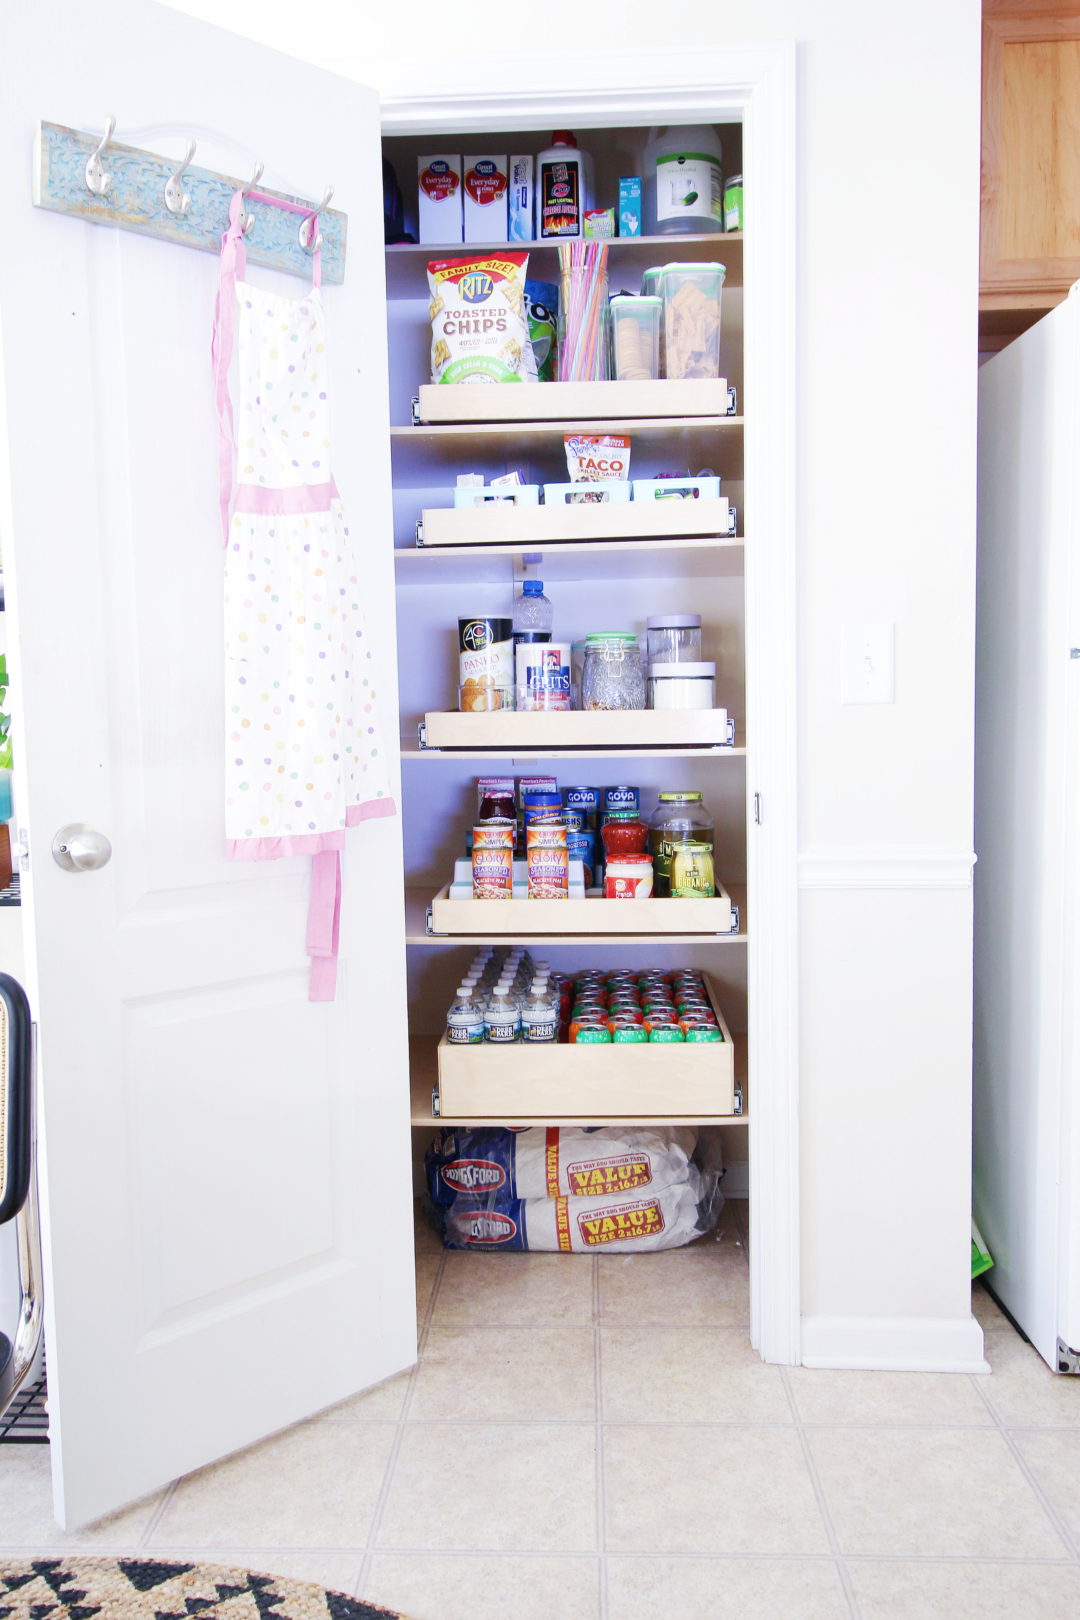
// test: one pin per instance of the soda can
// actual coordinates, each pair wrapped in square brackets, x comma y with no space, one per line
[665,1034]
[629,1035]
[591,1036]
[692,875]
[703,1032]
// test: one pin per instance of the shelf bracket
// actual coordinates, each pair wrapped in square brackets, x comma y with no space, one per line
[732,403]
[421,737]
[734,929]
[738,1108]
[420,532]
[436,1102]
[731,529]
[730,734]
[416,410]
[431,929]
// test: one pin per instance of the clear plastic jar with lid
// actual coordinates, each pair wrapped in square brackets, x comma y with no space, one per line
[679,818]
[674,638]
[613,676]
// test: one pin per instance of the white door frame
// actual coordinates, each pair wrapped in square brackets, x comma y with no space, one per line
[757,85]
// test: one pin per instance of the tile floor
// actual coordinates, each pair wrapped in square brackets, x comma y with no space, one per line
[595,1440]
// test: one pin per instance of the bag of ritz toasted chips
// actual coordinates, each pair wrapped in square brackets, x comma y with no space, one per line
[479,332]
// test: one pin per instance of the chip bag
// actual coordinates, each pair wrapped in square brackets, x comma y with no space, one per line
[479,332]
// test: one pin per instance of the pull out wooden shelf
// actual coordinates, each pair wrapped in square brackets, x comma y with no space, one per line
[594,730]
[571,401]
[611,918]
[555,525]
[585,1082]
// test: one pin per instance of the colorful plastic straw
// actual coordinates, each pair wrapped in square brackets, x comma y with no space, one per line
[583,277]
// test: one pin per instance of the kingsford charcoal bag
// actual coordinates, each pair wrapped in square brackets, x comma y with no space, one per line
[571,1162]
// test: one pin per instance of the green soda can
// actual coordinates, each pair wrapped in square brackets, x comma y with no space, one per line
[593,1036]
[629,1035]
[703,1032]
[664,1034]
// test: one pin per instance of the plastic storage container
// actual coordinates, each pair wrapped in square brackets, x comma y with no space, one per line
[682,686]
[674,638]
[613,676]
[635,337]
[691,294]
[683,181]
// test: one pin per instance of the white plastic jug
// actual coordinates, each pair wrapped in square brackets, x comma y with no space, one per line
[683,182]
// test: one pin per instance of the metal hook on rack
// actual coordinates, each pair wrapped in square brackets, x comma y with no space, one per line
[97,181]
[177,200]
[310,238]
[249,219]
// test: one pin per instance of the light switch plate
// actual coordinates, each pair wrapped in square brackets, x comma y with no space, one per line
[867,673]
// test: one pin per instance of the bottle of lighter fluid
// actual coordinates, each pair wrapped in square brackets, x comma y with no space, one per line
[502,1021]
[539,1016]
[465,1020]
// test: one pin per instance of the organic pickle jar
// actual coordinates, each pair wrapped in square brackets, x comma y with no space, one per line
[679,818]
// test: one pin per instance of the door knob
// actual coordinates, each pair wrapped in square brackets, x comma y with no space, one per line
[80,849]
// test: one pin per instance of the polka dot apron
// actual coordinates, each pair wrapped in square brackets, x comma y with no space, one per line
[304,756]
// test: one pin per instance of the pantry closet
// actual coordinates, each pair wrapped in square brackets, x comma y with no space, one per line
[599,576]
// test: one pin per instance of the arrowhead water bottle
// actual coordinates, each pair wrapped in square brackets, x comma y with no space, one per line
[465,1020]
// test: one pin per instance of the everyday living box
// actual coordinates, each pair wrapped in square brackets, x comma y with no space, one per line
[522,200]
[484,188]
[438,180]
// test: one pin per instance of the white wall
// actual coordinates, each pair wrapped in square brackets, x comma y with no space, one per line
[888,127]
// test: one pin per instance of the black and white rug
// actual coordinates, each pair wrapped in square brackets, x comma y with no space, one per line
[140,1589]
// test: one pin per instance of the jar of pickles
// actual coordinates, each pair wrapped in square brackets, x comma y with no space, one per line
[680,818]
[613,676]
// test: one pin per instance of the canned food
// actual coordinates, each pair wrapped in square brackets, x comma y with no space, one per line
[692,874]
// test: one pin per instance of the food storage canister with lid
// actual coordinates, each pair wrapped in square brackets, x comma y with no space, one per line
[682,686]
[679,818]
[674,638]
[691,319]
[613,676]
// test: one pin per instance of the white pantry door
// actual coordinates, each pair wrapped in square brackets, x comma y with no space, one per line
[227,1190]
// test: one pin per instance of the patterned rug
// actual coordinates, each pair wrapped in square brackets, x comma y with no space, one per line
[138,1589]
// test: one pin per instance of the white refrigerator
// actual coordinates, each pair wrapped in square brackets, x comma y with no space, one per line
[1027,881]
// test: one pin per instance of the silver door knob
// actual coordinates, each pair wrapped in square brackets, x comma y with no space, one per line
[80,849]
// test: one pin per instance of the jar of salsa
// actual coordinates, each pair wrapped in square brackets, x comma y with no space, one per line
[624,833]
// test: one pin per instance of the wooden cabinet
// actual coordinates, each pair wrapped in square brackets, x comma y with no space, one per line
[1030,235]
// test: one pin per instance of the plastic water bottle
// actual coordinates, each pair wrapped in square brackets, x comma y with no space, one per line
[533,613]
[502,1021]
[540,1015]
[465,1020]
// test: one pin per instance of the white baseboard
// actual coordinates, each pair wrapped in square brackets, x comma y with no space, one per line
[894,1343]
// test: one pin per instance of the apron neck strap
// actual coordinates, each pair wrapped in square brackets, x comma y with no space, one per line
[233,266]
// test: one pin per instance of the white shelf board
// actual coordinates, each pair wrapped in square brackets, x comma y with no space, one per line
[424,1071]
[712,558]
[417,901]
[410,750]
[406,262]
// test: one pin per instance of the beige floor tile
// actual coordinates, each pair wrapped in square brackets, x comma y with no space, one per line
[382,1403]
[931,1493]
[425,1238]
[987,1312]
[1053,1456]
[471,1587]
[492,1488]
[495,1375]
[26,1512]
[1022,1388]
[707,1491]
[427,1275]
[316,1485]
[687,1375]
[889,1398]
[708,1283]
[899,1591]
[706,1588]
[479,1290]
[337,1571]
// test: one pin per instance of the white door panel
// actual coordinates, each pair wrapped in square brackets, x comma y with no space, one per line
[227,1163]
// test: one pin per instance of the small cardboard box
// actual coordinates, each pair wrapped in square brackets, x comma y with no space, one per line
[484,187]
[439,198]
[630,205]
[522,200]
